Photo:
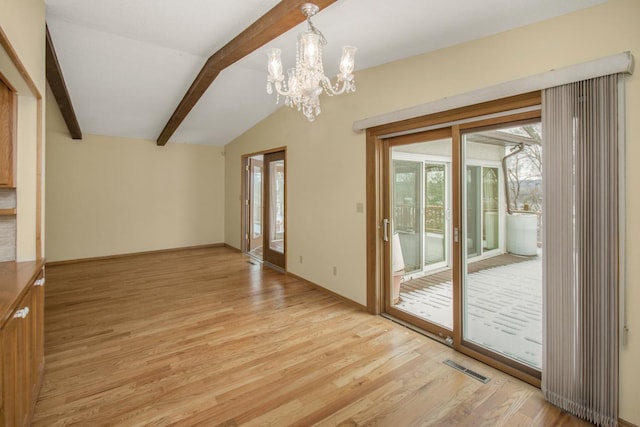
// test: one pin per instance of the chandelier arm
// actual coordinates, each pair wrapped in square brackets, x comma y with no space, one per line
[329,88]
[279,89]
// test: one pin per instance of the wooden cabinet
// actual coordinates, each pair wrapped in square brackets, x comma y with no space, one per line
[22,356]
[8,107]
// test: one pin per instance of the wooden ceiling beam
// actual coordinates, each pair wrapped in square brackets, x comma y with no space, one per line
[59,89]
[280,19]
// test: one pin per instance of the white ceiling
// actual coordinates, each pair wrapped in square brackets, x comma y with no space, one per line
[127,64]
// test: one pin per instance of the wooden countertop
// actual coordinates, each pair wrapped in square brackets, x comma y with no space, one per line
[15,278]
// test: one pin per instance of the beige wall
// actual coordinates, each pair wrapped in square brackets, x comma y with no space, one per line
[325,179]
[109,195]
[26,178]
[22,21]
[326,160]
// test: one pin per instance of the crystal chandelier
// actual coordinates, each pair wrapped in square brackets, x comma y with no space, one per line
[306,82]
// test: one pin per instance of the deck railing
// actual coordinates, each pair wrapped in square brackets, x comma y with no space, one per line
[434,219]
[406,218]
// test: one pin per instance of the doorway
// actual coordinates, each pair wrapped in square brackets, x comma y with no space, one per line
[264,219]
[460,213]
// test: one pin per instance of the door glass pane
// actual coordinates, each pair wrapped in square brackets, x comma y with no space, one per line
[256,200]
[435,197]
[490,209]
[502,280]
[420,232]
[406,212]
[276,206]
[473,210]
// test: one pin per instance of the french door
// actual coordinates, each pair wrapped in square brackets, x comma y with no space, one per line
[461,224]
[264,207]
[274,213]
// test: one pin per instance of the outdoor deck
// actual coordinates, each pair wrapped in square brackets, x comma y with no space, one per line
[503,300]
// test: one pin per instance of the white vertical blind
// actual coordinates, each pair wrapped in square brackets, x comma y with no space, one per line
[581,257]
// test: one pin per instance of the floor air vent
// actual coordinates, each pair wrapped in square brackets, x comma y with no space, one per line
[467,371]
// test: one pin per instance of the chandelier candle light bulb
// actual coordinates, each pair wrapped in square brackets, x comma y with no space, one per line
[310,43]
[307,80]
[275,63]
[347,62]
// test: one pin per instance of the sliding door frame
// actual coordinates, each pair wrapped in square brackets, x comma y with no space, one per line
[508,110]
[388,144]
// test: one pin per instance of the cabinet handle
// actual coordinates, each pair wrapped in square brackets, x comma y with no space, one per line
[21,314]
[39,282]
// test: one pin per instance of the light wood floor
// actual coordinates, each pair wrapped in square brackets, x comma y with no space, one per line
[204,337]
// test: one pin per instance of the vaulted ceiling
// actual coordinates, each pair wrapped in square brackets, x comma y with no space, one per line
[128,64]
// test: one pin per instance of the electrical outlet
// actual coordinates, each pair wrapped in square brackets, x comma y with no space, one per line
[300,259]
[335,270]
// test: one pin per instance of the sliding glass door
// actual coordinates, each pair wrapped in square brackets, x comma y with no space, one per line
[407,185]
[420,190]
[502,280]
[436,214]
[463,229]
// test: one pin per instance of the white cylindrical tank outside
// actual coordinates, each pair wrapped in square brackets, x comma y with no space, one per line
[522,234]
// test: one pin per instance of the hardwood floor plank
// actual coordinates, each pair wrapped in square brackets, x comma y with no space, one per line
[203,337]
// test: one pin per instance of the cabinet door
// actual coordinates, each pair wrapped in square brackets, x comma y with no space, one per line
[7,134]
[37,338]
[16,353]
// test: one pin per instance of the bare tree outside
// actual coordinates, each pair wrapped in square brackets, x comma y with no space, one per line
[524,173]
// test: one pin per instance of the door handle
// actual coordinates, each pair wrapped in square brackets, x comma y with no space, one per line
[21,314]
[385,230]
